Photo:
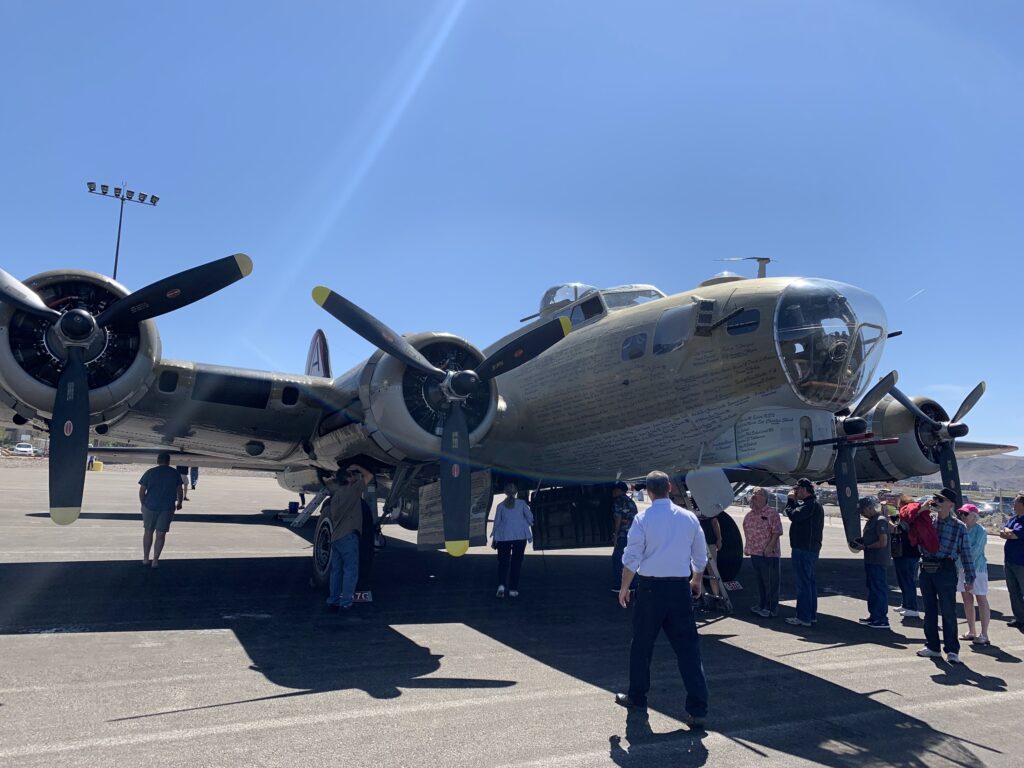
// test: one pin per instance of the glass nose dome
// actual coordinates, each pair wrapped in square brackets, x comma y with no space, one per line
[829,337]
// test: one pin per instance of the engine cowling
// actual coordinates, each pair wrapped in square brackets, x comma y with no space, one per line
[120,360]
[403,408]
[915,454]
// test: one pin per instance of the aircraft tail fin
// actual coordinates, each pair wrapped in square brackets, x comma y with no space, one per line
[318,360]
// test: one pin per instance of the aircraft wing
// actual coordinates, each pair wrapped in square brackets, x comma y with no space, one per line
[229,417]
[146,455]
[968,450]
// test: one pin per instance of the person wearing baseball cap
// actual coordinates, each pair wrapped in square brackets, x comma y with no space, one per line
[939,578]
[807,524]
[874,543]
[977,536]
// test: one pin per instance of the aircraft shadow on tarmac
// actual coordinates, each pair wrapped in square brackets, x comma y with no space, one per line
[566,619]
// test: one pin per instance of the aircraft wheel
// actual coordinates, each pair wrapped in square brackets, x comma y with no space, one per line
[322,553]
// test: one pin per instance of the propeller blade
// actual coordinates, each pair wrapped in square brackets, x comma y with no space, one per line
[17,294]
[875,394]
[950,470]
[911,406]
[456,482]
[970,401]
[177,291]
[525,348]
[846,490]
[69,439]
[373,330]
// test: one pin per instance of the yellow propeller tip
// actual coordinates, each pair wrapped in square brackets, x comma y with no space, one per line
[456,548]
[64,515]
[244,264]
[320,294]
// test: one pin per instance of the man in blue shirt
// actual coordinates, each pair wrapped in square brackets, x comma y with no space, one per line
[938,578]
[666,552]
[160,493]
[1013,551]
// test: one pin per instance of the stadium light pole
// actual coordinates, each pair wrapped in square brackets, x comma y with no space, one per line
[123,194]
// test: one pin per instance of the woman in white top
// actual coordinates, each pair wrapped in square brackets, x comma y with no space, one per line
[509,534]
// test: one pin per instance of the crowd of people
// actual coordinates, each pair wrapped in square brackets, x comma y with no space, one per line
[934,547]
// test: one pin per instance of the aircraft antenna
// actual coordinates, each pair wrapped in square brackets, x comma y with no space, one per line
[762,263]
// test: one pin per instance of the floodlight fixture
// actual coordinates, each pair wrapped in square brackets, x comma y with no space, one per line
[123,194]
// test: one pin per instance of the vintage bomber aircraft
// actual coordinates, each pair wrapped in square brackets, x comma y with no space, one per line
[753,380]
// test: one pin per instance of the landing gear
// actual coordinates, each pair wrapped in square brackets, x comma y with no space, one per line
[322,553]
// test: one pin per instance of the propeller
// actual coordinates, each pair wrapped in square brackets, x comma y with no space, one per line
[453,387]
[75,332]
[942,435]
[853,429]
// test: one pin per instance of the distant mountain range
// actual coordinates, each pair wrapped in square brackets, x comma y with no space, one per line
[1003,472]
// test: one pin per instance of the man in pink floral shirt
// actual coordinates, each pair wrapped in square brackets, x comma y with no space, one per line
[762,528]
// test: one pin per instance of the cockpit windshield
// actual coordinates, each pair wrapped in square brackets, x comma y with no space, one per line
[830,338]
[624,296]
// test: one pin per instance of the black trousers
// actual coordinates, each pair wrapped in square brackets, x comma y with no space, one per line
[510,550]
[666,605]
[938,592]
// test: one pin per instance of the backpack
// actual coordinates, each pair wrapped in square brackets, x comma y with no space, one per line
[898,544]
[920,529]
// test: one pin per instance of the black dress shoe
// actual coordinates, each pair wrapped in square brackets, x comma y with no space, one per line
[624,700]
[1015,624]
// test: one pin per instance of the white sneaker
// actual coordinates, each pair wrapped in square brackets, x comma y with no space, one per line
[928,653]
[500,592]
[911,614]
[797,622]
[900,610]
[953,658]
[513,593]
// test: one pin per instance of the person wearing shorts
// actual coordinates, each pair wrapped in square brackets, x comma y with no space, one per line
[160,493]
[977,536]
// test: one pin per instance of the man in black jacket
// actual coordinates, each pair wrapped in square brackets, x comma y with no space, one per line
[807,523]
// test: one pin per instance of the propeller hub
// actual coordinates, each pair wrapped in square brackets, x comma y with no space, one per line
[77,325]
[464,383]
[855,425]
[957,430]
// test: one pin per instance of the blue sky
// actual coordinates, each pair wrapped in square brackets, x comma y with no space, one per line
[442,163]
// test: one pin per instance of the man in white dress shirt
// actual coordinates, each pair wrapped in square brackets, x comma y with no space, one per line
[666,550]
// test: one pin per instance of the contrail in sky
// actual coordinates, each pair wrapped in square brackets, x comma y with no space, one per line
[916,295]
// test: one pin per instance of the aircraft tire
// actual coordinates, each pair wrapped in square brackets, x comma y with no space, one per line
[730,559]
[322,553]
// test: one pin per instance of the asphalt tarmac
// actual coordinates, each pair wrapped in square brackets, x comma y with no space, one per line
[225,656]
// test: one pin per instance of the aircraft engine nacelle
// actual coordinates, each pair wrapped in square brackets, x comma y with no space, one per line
[119,360]
[404,409]
[915,454]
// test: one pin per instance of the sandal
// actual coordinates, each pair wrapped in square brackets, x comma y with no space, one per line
[980,640]
[967,636]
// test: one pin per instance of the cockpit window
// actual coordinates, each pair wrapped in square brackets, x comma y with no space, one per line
[582,312]
[830,338]
[673,329]
[630,296]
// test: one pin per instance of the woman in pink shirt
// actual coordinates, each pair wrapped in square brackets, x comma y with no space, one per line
[762,528]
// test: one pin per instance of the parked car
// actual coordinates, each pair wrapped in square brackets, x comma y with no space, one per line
[23,449]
